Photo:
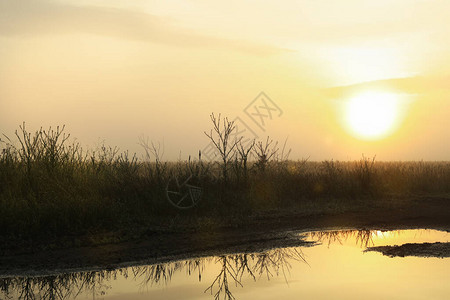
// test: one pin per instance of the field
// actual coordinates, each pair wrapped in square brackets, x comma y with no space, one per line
[55,194]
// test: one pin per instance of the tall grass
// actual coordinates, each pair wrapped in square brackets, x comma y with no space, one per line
[50,186]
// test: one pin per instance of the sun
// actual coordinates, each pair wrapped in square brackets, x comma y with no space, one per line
[372,115]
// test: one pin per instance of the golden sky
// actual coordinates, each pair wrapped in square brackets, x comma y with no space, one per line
[115,70]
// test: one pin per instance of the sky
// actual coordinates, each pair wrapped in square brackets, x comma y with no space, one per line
[116,71]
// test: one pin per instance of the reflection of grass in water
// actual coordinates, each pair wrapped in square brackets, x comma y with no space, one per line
[58,287]
[363,238]
[50,187]
[232,269]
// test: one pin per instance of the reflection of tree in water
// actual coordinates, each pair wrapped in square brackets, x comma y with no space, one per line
[95,282]
[162,273]
[227,271]
[363,238]
[233,268]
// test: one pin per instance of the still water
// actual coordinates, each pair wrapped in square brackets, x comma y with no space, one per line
[336,267]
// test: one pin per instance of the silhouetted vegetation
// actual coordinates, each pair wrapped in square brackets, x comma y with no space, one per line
[51,187]
[437,249]
[363,238]
[232,269]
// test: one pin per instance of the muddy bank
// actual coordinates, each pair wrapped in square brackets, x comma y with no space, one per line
[265,231]
[420,250]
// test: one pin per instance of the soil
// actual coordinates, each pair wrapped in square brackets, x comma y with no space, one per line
[421,250]
[264,231]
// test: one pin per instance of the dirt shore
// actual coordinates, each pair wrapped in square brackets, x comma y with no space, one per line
[273,229]
[440,250]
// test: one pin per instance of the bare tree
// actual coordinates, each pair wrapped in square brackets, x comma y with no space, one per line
[244,151]
[221,137]
[264,152]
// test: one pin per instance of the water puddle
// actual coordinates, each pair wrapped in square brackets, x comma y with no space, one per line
[336,267]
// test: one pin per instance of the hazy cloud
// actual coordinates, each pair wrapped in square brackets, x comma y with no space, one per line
[408,85]
[31,18]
